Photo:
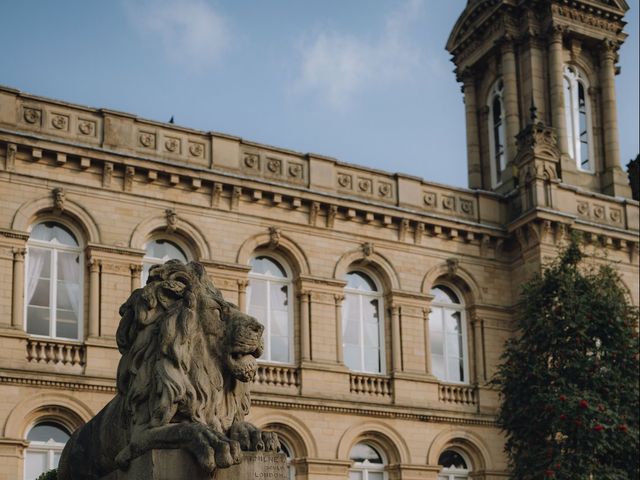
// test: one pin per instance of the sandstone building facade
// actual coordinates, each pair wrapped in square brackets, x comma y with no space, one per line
[386,298]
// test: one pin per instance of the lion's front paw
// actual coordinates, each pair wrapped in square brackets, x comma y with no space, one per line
[251,438]
[213,450]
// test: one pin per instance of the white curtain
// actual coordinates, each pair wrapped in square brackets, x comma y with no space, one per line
[35,263]
[69,267]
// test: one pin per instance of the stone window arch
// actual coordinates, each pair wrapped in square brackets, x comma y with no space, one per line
[363,339]
[54,280]
[161,248]
[270,298]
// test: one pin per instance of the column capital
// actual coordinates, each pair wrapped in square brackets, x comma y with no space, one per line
[557,33]
[242,285]
[135,268]
[339,298]
[18,253]
[609,49]
[94,263]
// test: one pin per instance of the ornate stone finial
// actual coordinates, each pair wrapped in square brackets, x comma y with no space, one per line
[58,200]
[274,237]
[172,219]
[452,267]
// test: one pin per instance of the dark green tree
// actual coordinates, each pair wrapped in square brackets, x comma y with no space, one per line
[569,378]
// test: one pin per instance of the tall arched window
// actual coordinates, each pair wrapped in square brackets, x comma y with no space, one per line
[158,251]
[455,467]
[54,268]
[362,324]
[448,336]
[269,300]
[46,441]
[578,117]
[497,132]
[368,463]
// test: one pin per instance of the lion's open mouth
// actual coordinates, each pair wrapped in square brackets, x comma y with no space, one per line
[242,362]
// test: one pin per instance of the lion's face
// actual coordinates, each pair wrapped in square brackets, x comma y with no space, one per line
[232,336]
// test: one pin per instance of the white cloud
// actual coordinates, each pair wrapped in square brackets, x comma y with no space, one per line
[336,66]
[191,32]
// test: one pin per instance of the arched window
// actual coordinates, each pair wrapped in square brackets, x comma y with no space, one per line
[158,251]
[269,300]
[46,441]
[455,467]
[368,463]
[497,132]
[288,451]
[54,271]
[578,117]
[448,336]
[362,324]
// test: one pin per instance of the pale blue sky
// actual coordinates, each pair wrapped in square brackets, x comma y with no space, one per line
[365,81]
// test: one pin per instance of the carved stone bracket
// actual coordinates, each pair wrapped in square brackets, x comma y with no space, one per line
[58,200]
[274,237]
[172,220]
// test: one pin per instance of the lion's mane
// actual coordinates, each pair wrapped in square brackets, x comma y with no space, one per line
[171,370]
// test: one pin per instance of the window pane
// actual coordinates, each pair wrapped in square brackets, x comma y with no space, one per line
[68,267]
[351,320]
[53,232]
[437,365]
[352,356]
[454,372]
[370,310]
[257,301]
[355,475]
[443,294]
[452,321]
[279,349]
[362,451]
[38,320]
[66,324]
[35,463]
[372,360]
[165,250]
[279,296]
[41,294]
[46,431]
[451,459]
[267,266]
[454,345]
[437,347]
[360,281]
[371,332]
[376,475]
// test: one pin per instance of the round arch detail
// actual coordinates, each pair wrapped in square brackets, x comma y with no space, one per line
[293,430]
[186,231]
[285,246]
[470,444]
[375,262]
[64,409]
[461,278]
[380,434]
[28,213]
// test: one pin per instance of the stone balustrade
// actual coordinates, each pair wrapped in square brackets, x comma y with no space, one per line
[458,394]
[277,375]
[369,385]
[52,351]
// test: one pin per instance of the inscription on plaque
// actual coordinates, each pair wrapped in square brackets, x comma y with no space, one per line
[256,466]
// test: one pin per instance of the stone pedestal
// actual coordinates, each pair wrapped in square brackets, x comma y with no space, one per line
[175,464]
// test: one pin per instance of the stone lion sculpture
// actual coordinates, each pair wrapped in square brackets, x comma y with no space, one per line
[183,380]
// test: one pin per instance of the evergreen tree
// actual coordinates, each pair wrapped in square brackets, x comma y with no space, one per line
[569,380]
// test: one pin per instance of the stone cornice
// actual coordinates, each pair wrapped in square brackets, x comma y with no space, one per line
[262,400]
